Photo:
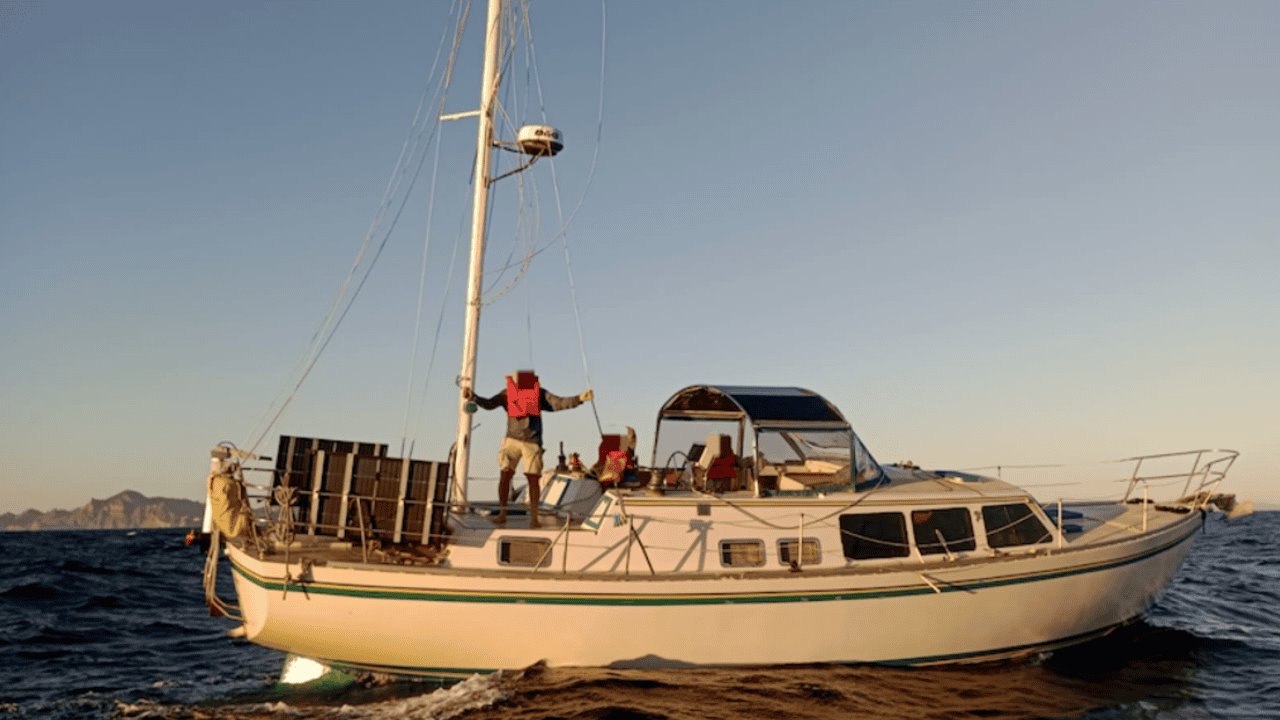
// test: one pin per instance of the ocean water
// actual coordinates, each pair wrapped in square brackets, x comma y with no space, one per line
[110,624]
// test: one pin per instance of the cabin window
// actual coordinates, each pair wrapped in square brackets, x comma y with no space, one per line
[524,552]
[742,553]
[943,531]
[867,536]
[790,551]
[1012,525]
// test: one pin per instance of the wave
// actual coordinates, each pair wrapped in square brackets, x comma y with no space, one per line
[119,629]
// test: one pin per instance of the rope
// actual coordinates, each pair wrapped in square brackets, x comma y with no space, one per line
[866,538]
[343,302]
[595,155]
[214,602]
[824,518]
[444,301]
[524,229]
[491,296]
[1049,465]
[577,319]
[422,287]
[338,310]
[426,246]
[496,288]
[528,321]
[555,184]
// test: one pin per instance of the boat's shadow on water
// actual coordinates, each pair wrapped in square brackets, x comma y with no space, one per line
[1139,671]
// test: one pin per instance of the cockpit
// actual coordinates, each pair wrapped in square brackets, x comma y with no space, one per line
[760,440]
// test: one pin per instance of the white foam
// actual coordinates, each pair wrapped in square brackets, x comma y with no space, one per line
[272,709]
[474,693]
[298,670]
[143,710]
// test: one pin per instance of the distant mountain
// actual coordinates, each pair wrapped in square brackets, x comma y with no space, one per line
[125,510]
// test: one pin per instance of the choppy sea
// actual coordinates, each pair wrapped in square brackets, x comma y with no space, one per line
[112,624]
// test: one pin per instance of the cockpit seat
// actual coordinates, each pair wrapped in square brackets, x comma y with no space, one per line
[616,458]
[718,464]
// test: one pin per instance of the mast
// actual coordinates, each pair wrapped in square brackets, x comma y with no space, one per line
[479,214]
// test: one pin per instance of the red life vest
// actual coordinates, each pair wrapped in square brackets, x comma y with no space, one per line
[616,463]
[524,396]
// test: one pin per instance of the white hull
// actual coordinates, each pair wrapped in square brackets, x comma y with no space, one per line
[443,622]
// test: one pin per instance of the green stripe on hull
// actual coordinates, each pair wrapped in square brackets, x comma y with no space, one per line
[438,674]
[708,599]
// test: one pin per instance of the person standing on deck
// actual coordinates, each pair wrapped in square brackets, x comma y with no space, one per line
[525,400]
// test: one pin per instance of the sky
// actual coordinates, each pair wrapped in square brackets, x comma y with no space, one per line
[991,233]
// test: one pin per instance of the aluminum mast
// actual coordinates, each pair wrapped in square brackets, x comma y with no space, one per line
[479,213]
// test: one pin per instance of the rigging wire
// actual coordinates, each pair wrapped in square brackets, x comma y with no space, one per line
[493,296]
[405,437]
[422,286]
[524,229]
[555,185]
[582,343]
[338,310]
[528,321]
[504,125]
[595,155]
[414,147]
[529,229]
[444,302]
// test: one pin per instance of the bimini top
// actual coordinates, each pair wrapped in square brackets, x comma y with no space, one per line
[762,406]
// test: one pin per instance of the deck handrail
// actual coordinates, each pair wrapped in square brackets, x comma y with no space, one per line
[1209,471]
[1208,468]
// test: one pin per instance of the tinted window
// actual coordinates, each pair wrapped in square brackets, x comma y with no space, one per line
[786,407]
[866,536]
[1010,525]
[789,551]
[742,553]
[939,531]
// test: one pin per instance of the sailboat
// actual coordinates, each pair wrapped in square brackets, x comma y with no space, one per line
[761,532]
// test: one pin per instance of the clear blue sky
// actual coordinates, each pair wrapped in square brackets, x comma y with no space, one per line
[994,232]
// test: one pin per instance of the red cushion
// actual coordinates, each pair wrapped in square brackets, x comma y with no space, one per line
[724,467]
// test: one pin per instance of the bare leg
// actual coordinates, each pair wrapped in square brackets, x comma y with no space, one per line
[535,496]
[504,493]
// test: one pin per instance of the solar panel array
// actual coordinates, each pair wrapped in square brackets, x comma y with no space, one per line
[348,489]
